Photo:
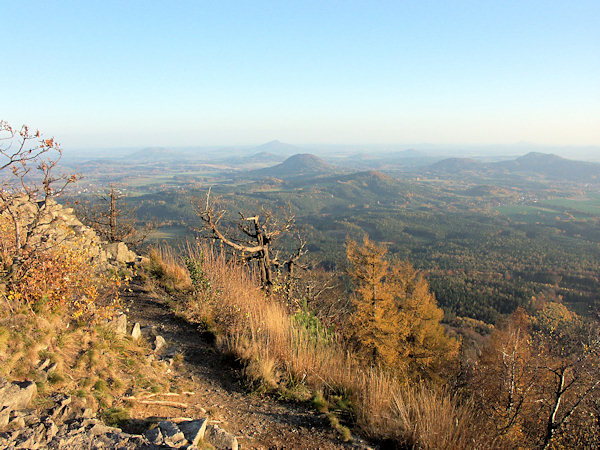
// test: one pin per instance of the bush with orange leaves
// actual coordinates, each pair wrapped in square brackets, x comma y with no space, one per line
[61,278]
[39,271]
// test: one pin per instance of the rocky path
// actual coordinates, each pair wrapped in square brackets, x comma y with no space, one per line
[257,421]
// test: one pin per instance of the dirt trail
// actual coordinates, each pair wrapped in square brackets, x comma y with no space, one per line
[257,421]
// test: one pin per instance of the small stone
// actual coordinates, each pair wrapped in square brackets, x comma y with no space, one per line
[62,399]
[119,252]
[76,430]
[154,436]
[171,352]
[38,432]
[17,423]
[4,416]
[193,430]
[87,413]
[171,432]
[27,440]
[45,363]
[100,429]
[51,429]
[220,439]
[22,413]
[159,343]
[29,416]
[118,324]
[89,422]
[136,332]
[16,395]
[60,413]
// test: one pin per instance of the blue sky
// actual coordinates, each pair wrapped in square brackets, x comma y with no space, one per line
[103,74]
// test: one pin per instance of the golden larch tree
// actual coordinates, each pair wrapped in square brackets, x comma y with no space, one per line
[425,346]
[396,321]
[375,324]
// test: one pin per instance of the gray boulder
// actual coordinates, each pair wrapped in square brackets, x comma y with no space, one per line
[118,251]
[118,324]
[16,395]
[193,430]
[159,344]
[172,434]
[220,439]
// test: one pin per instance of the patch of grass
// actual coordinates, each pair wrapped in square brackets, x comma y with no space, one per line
[100,386]
[55,378]
[116,384]
[4,337]
[81,393]
[346,433]
[319,402]
[262,373]
[42,387]
[294,388]
[115,417]
[164,267]
[101,365]
[92,356]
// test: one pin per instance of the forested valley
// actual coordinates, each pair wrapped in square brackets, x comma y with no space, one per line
[487,242]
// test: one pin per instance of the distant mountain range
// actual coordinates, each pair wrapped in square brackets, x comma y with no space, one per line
[269,160]
[278,148]
[552,166]
[533,164]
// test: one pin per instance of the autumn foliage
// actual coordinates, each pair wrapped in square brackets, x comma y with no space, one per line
[43,267]
[396,321]
[536,383]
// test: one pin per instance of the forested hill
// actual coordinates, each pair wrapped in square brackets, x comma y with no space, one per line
[301,164]
[552,167]
[548,166]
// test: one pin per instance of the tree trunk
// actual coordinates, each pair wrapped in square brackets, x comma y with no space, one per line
[551,425]
[112,219]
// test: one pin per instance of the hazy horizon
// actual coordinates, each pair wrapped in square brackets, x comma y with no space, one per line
[177,74]
[508,151]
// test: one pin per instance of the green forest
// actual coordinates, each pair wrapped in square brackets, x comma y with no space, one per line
[485,248]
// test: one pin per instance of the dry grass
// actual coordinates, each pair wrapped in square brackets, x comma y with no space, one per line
[93,365]
[274,348]
[166,267]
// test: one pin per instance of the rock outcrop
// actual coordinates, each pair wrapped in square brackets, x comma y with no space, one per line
[61,425]
[64,427]
[58,225]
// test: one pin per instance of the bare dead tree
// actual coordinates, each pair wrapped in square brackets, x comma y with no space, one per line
[260,232]
[322,292]
[113,220]
[28,183]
